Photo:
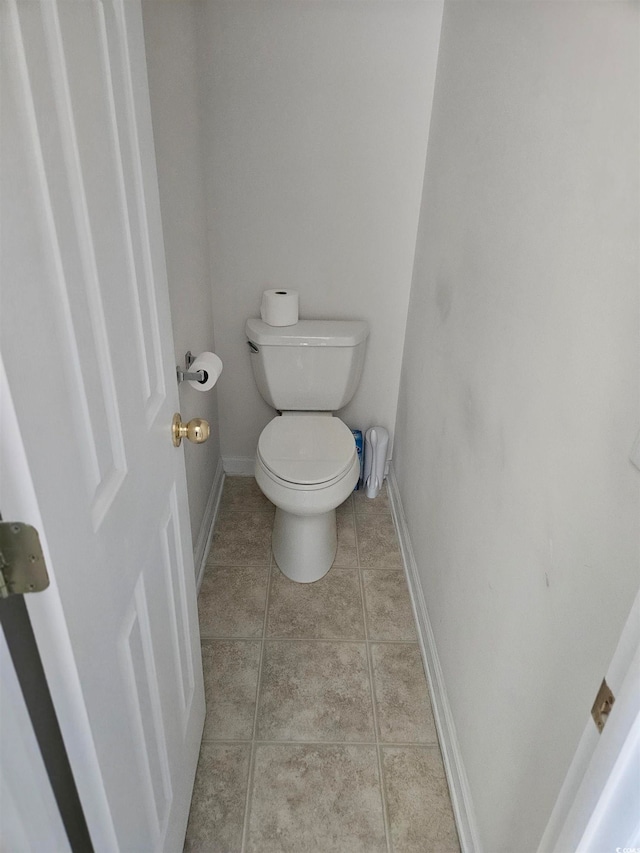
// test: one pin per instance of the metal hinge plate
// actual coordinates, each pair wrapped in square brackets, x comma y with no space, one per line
[603,705]
[22,566]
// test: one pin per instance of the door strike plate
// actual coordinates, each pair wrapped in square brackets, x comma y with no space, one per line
[602,706]
[22,566]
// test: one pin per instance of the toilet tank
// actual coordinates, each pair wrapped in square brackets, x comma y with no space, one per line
[314,365]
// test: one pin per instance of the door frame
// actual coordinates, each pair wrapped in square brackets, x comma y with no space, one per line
[602,768]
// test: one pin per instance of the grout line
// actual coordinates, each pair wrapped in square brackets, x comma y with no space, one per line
[353,640]
[333,568]
[385,568]
[239,742]
[249,798]
[227,511]
[367,743]
[236,567]
[355,533]
[383,793]
[383,798]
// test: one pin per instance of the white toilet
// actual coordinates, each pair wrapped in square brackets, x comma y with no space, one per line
[306,462]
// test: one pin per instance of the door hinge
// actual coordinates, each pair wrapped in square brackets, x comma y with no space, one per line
[603,705]
[22,566]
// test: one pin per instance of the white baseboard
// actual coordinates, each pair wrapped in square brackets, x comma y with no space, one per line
[205,534]
[453,764]
[239,466]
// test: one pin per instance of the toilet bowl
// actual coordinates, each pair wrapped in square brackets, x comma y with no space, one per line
[306,460]
[307,465]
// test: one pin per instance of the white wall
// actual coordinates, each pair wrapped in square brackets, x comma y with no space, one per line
[519,398]
[316,130]
[170,38]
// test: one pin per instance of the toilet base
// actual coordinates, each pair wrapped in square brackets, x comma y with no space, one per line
[304,546]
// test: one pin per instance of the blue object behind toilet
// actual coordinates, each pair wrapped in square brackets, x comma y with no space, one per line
[357,435]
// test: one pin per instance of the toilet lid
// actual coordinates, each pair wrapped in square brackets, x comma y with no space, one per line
[307,449]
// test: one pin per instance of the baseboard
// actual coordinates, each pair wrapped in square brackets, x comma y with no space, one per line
[239,466]
[452,758]
[205,534]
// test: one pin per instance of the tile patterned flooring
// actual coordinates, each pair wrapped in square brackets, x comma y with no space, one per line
[319,733]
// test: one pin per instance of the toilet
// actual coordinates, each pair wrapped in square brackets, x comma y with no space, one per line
[306,461]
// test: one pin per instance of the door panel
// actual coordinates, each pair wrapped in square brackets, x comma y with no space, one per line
[29,818]
[87,345]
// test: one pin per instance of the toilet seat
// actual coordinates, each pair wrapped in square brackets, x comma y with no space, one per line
[309,451]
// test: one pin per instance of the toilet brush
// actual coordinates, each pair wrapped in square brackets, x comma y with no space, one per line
[375,457]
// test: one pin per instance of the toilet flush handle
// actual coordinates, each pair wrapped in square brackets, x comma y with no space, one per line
[253,347]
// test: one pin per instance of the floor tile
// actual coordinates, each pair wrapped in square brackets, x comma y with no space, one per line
[347,554]
[316,785]
[244,494]
[346,557]
[418,803]
[217,807]
[368,506]
[377,542]
[346,508]
[230,686]
[232,602]
[316,691]
[403,708]
[242,539]
[329,609]
[388,606]
[346,525]
[316,799]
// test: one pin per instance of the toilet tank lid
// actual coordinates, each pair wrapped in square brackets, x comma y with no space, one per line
[308,333]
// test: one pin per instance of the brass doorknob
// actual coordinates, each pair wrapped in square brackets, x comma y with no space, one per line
[197,430]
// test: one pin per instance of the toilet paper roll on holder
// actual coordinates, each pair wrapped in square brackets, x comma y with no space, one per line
[194,375]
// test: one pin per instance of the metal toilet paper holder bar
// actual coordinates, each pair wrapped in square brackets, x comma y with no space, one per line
[185,375]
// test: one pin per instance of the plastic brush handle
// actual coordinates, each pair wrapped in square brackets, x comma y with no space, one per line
[373,487]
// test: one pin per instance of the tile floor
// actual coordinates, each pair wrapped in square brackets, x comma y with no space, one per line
[319,733]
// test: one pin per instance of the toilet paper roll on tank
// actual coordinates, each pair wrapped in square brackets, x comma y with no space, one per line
[279,307]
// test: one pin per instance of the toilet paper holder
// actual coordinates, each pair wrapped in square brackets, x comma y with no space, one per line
[185,375]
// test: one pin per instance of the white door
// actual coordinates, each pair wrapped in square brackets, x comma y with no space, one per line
[87,347]
[598,807]
[604,810]
[29,818]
